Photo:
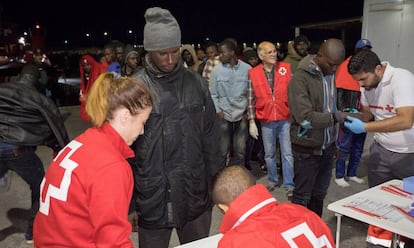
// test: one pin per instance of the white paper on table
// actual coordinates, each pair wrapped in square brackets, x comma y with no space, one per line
[385,210]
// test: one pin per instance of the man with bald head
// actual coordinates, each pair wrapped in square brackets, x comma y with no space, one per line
[267,102]
[253,217]
[314,118]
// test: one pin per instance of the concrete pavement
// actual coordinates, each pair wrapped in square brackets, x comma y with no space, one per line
[15,203]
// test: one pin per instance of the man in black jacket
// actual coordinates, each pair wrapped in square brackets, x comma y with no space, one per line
[28,119]
[176,157]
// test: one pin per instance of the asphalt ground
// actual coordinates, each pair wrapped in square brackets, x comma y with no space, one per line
[15,202]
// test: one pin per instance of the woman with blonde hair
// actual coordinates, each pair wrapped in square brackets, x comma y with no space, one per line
[86,192]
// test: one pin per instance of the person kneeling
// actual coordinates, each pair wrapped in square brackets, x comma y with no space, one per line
[254,218]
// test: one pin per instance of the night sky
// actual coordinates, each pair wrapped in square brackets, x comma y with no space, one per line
[71,20]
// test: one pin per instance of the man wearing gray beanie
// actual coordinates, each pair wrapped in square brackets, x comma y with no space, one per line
[176,158]
[161,30]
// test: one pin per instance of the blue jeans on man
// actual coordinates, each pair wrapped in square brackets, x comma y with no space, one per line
[351,147]
[271,131]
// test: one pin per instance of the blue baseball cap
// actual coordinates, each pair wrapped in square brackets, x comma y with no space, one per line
[363,43]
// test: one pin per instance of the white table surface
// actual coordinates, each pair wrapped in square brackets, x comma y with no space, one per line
[404,226]
[209,242]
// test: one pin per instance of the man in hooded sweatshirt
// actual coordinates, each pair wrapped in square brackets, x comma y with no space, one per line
[297,50]
[132,61]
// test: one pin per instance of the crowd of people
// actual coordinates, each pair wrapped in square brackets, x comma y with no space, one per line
[174,129]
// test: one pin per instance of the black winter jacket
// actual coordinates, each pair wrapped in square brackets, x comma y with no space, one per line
[176,157]
[29,118]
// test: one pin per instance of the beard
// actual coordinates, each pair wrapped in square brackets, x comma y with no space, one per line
[374,83]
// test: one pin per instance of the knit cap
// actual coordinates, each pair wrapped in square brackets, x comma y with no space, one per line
[128,51]
[248,53]
[161,30]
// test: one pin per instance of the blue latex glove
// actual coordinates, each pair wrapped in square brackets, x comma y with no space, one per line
[355,125]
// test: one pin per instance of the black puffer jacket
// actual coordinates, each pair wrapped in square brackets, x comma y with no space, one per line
[28,117]
[176,157]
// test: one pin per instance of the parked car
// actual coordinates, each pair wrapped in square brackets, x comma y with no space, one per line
[66,92]
[9,70]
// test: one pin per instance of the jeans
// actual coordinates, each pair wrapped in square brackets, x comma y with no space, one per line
[270,132]
[233,136]
[30,168]
[351,147]
[312,178]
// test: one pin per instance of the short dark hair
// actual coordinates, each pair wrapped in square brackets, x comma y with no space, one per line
[230,182]
[301,38]
[231,45]
[363,61]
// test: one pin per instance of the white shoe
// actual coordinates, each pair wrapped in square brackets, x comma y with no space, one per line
[341,182]
[356,179]
[5,182]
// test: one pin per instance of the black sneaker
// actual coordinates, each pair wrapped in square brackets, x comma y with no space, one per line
[289,194]
[29,238]
[270,187]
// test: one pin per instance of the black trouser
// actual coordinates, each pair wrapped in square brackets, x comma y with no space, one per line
[312,178]
[385,165]
[196,229]
[25,162]
[254,148]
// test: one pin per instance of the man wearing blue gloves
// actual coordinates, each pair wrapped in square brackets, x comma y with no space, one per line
[355,125]
[386,99]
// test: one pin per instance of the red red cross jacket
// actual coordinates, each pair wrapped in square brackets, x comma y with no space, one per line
[86,192]
[255,219]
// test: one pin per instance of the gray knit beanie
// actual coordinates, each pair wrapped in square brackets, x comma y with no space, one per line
[128,51]
[161,30]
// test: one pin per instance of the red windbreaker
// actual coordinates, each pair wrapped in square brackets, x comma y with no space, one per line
[86,83]
[343,79]
[86,193]
[255,219]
